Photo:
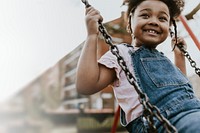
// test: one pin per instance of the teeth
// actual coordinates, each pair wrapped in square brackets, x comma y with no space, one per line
[152,31]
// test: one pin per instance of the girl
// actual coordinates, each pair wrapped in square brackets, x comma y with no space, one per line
[165,84]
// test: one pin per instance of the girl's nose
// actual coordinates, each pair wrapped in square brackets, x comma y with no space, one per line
[153,21]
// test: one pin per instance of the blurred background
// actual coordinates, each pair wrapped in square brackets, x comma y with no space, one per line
[41,42]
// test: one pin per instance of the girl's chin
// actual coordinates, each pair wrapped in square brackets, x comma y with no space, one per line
[151,45]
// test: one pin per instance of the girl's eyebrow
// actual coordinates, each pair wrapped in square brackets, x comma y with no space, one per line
[148,9]
[163,12]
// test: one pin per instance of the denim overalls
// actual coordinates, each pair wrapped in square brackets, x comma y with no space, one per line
[168,89]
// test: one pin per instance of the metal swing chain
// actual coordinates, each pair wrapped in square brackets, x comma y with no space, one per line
[192,62]
[149,109]
[187,55]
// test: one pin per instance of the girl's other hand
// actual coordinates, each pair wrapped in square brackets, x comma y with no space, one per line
[180,41]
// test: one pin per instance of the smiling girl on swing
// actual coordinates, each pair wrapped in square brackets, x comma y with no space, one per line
[165,84]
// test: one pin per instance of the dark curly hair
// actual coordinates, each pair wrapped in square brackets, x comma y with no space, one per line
[175,6]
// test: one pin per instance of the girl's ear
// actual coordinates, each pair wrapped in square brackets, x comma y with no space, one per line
[171,32]
[128,27]
[170,23]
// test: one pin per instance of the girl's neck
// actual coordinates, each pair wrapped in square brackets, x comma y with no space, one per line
[135,45]
[138,46]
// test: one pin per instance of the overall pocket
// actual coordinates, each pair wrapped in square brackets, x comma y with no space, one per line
[162,72]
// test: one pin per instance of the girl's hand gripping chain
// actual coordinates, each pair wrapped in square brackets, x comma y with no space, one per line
[180,41]
[92,18]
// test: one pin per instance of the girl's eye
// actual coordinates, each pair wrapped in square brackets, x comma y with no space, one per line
[145,16]
[163,19]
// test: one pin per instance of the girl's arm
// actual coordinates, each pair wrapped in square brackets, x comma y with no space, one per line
[179,58]
[92,77]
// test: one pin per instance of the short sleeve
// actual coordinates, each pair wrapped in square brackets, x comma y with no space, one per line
[110,61]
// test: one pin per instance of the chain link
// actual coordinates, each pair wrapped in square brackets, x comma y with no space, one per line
[150,110]
[192,62]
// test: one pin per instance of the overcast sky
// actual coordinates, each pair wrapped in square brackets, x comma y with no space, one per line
[36,34]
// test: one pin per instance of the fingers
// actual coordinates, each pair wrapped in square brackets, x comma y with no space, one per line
[180,41]
[92,18]
[92,13]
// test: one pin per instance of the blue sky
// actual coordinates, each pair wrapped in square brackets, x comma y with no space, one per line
[35,34]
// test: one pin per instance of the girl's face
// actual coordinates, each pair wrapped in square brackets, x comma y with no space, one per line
[150,23]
